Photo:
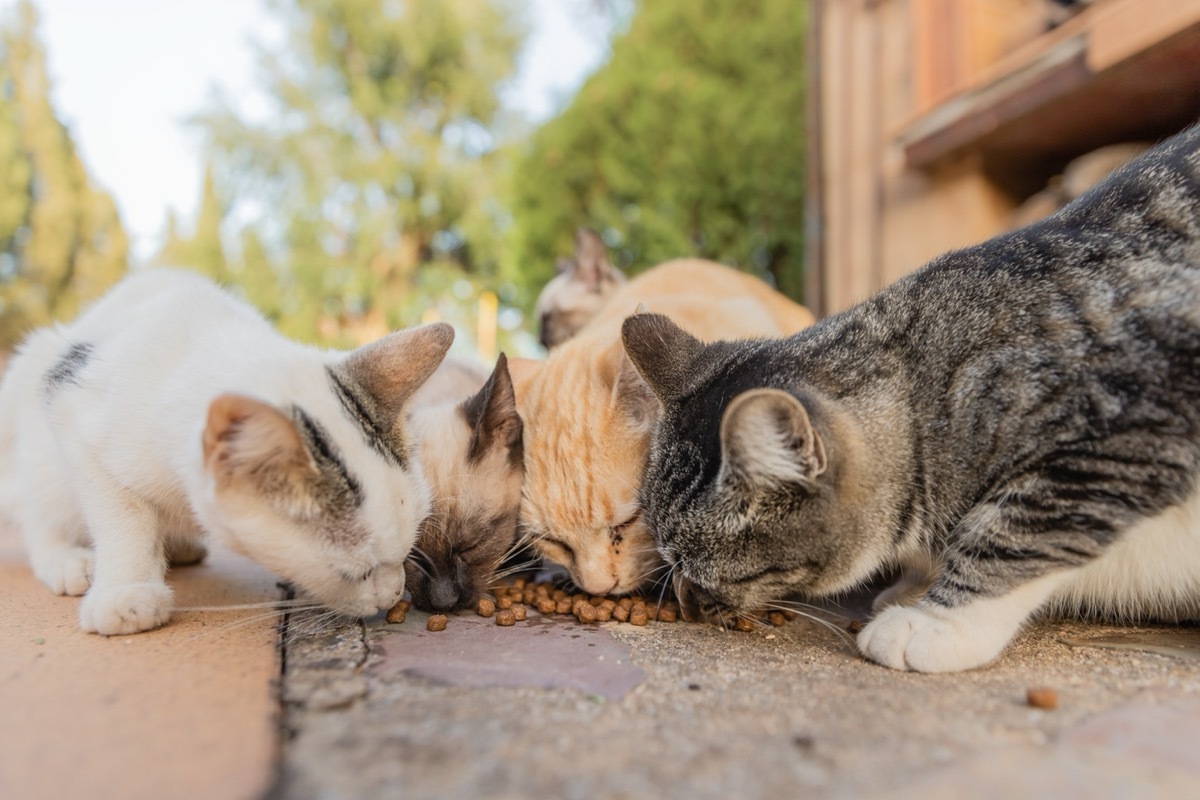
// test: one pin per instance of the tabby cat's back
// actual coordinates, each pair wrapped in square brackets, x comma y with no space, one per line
[1023,414]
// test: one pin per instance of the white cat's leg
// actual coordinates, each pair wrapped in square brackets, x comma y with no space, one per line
[129,593]
[929,637]
[47,512]
[185,551]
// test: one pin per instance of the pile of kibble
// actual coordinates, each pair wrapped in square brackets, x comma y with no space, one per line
[509,603]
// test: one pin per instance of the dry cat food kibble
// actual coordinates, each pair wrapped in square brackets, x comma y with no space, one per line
[743,624]
[398,612]
[505,617]
[1041,697]
[856,626]
[436,622]
[520,596]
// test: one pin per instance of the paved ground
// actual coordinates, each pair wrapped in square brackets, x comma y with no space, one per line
[691,711]
[552,709]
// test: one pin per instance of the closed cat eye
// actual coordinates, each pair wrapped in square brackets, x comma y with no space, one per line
[566,548]
[357,577]
[618,528]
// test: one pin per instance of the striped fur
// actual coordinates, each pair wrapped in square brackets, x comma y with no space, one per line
[1017,414]
[588,417]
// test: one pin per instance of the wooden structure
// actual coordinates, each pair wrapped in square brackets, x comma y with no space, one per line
[933,120]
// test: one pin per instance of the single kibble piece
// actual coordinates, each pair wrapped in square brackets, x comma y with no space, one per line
[666,614]
[529,597]
[505,617]
[398,612]
[856,626]
[776,618]
[595,599]
[504,602]
[1041,697]
[620,614]
[558,594]
[563,606]
[790,615]
[485,607]
[743,624]
[625,603]
[585,612]
[518,612]
[603,613]
[545,606]
[638,616]
[436,622]
[609,604]
[518,583]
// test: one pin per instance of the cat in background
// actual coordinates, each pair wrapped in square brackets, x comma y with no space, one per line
[581,286]
[169,410]
[469,443]
[588,417]
[1016,425]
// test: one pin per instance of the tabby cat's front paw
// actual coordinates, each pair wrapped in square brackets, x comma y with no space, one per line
[924,638]
[65,570]
[128,608]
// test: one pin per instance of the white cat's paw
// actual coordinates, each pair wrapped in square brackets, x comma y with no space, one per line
[185,552]
[128,608]
[927,639]
[66,570]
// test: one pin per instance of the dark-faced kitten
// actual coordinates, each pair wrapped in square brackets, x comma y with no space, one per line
[1020,419]
[471,453]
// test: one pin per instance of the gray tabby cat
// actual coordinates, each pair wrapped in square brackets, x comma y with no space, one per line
[1016,425]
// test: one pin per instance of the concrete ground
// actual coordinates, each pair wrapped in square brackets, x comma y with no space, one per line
[210,708]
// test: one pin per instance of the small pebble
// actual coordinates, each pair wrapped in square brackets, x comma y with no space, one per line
[1041,697]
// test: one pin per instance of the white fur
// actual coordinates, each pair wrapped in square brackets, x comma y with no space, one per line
[117,460]
[1151,572]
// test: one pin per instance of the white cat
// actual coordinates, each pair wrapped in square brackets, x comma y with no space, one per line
[170,409]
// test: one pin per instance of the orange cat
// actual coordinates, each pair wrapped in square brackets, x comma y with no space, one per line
[588,417]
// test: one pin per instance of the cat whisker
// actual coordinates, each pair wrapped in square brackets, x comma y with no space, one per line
[822,622]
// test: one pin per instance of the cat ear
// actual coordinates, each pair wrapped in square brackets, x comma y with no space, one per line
[523,371]
[767,438]
[591,260]
[391,369]
[631,396]
[492,414]
[661,351]
[244,436]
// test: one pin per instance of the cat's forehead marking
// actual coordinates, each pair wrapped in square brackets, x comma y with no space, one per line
[342,491]
[378,430]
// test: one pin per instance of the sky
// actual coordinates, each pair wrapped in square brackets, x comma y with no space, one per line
[126,75]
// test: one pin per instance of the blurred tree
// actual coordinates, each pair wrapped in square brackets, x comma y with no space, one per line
[61,240]
[374,161]
[202,250]
[689,141]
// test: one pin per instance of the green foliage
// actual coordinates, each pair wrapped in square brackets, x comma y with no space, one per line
[373,164]
[61,241]
[689,141]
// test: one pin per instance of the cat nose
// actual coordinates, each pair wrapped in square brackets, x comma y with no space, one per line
[443,594]
[689,605]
